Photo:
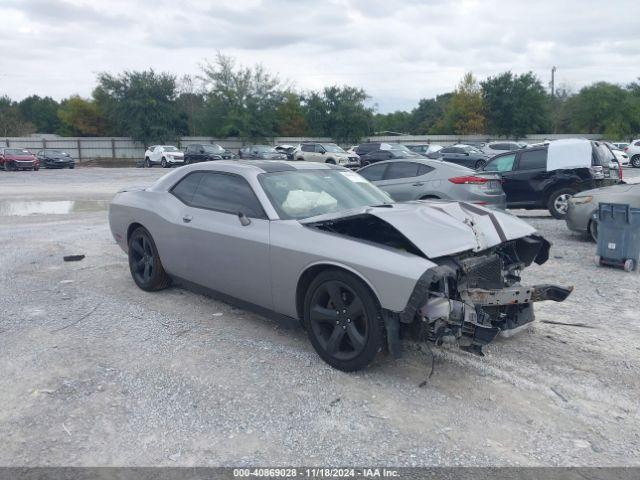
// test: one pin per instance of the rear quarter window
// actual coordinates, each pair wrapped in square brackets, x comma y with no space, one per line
[185,188]
[533,160]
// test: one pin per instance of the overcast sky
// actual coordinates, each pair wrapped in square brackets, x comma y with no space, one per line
[398,51]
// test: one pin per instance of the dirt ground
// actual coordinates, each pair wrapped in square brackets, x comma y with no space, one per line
[95,371]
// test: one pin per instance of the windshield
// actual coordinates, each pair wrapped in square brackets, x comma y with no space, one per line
[332,147]
[302,194]
[213,148]
[170,148]
[16,151]
[264,149]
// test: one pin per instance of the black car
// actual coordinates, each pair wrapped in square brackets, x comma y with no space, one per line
[465,155]
[390,154]
[368,147]
[534,178]
[197,152]
[261,152]
[55,159]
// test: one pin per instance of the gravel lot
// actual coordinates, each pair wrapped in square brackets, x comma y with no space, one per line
[98,372]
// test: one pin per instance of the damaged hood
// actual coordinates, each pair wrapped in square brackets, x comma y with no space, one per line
[443,228]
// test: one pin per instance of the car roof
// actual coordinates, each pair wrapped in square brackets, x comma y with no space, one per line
[423,160]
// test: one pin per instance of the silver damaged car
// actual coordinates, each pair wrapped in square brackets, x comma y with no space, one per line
[321,244]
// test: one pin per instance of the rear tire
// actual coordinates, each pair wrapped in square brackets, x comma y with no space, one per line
[147,162]
[635,161]
[559,201]
[343,320]
[629,265]
[144,262]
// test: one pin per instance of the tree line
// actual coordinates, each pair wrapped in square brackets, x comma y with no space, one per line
[228,100]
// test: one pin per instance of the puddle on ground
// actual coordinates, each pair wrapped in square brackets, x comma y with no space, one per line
[23,208]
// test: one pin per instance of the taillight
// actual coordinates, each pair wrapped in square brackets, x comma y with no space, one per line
[468,180]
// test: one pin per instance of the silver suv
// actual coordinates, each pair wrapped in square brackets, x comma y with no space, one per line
[633,152]
[326,153]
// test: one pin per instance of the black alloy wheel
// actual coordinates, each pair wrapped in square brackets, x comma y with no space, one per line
[144,262]
[635,161]
[343,320]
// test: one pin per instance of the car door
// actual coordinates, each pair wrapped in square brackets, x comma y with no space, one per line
[528,178]
[308,152]
[503,166]
[221,250]
[156,154]
[400,181]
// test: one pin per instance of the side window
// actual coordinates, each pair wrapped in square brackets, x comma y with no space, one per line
[447,150]
[319,148]
[307,148]
[637,144]
[424,169]
[227,193]
[401,170]
[186,187]
[501,164]
[374,172]
[533,160]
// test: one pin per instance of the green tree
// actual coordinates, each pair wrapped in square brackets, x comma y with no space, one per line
[290,117]
[604,108]
[81,117]
[339,113]
[428,113]
[398,121]
[42,112]
[515,104]
[191,105]
[464,114]
[241,101]
[141,105]
[12,124]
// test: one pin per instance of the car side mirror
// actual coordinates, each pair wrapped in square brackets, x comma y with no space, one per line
[244,220]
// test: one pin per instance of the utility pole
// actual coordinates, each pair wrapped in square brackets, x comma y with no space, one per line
[553,80]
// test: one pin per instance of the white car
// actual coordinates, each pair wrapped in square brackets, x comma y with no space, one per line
[633,152]
[621,157]
[494,148]
[165,155]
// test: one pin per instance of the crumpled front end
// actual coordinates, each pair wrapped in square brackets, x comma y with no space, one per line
[469,299]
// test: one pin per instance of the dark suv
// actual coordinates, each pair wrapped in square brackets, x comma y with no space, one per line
[197,152]
[534,178]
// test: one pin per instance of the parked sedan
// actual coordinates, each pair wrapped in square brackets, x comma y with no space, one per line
[422,179]
[584,205]
[18,159]
[464,155]
[261,152]
[320,243]
[494,148]
[163,155]
[197,152]
[388,154]
[424,149]
[55,159]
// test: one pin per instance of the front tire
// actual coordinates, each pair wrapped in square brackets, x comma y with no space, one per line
[331,161]
[163,162]
[147,162]
[343,320]
[593,230]
[559,202]
[635,161]
[144,262]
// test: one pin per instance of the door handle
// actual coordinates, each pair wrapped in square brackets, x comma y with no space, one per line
[418,184]
[187,218]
